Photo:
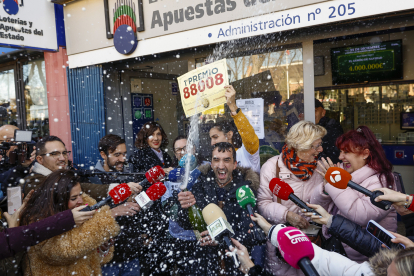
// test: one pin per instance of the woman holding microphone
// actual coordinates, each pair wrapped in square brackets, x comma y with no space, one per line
[296,166]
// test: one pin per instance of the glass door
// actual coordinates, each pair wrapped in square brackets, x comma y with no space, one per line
[8,103]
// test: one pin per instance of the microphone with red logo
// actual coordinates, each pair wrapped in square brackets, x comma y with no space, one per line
[118,194]
[341,179]
[283,191]
[153,193]
[297,250]
[153,175]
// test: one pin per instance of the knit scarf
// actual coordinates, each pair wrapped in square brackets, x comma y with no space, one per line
[302,170]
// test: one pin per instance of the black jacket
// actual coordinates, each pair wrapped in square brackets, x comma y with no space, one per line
[10,177]
[144,159]
[409,225]
[334,130]
[357,237]
[205,193]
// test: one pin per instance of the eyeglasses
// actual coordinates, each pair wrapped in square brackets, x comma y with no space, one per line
[57,154]
[317,146]
[119,154]
[178,150]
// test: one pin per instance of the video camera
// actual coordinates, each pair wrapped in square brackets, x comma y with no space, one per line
[23,147]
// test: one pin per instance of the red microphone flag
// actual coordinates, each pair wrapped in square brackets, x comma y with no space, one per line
[294,245]
[155,174]
[156,191]
[280,188]
[338,177]
[120,193]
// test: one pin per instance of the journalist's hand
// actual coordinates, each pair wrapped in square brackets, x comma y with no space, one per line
[135,187]
[207,240]
[186,199]
[401,239]
[398,198]
[244,258]
[80,217]
[261,222]
[125,209]
[167,170]
[322,219]
[296,220]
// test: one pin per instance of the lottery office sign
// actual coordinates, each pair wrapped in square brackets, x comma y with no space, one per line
[203,88]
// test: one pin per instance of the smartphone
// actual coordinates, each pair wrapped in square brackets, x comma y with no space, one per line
[382,235]
[14,199]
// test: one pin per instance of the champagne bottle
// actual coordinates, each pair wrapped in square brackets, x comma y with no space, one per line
[196,218]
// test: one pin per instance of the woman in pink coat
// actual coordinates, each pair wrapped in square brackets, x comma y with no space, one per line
[363,157]
[296,166]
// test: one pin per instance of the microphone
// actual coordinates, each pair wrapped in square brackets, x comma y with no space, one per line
[177,175]
[341,179]
[245,198]
[153,193]
[118,194]
[153,175]
[191,158]
[283,191]
[297,250]
[218,227]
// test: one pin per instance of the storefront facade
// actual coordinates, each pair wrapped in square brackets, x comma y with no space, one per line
[280,53]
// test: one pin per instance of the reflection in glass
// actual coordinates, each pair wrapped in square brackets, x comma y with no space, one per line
[8,112]
[37,113]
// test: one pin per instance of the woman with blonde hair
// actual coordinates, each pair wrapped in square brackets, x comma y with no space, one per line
[296,166]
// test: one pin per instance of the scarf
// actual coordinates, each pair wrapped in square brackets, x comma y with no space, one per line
[302,170]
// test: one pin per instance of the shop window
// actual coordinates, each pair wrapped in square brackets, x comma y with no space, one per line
[35,94]
[274,76]
[378,107]
[8,109]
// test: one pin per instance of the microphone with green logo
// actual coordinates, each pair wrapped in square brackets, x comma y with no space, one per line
[245,198]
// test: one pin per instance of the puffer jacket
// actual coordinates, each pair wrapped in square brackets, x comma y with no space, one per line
[276,213]
[356,206]
[74,252]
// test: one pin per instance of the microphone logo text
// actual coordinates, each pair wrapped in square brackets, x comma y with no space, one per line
[296,236]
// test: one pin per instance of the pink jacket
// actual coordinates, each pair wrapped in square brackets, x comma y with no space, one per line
[275,213]
[356,206]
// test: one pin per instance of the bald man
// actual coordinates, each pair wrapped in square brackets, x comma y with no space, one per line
[7,134]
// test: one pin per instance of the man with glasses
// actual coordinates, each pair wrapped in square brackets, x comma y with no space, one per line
[51,155]
[334,130]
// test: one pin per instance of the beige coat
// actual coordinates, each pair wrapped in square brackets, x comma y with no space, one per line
[74,252]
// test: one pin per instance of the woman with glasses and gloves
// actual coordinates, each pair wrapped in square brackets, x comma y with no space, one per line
[296,166]
[363,157]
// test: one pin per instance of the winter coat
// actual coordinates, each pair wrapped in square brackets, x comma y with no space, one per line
[356,206]
[276,213]
[74,252]
[354,235]
[334,130]
[40,173]
[14,241]
[10,177]
[144,159]
[334,264]
[205,193]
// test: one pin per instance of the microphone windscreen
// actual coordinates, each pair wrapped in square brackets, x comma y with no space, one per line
[244,196]
[155,174]
[280,188]
[212,212]
[156,191]
[176,175]
[192,178]
[191,158]
[338,177]
[294,245]
[120,193]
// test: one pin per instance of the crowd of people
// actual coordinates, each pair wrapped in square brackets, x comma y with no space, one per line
[50,235]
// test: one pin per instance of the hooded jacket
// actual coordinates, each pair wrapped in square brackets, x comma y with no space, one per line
[356,206]
[40,173]
[74,252]
[205,193]
[276,213]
